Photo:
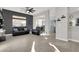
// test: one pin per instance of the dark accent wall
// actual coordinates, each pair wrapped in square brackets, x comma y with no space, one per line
[29,22]
[7,21]
[7,16]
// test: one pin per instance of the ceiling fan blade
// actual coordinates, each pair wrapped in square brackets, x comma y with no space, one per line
[30,10]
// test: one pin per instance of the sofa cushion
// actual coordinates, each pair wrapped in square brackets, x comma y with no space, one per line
[15,29]
[25,29]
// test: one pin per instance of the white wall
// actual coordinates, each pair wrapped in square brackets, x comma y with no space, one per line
[52,18]
[74,30]
[62,26]
[49,17]
[75,34]
[46,18]
[73,9]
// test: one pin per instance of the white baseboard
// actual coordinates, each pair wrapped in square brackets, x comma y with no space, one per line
[74,40]
[62,39]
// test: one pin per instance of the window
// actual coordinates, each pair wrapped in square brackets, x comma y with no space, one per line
[19,21]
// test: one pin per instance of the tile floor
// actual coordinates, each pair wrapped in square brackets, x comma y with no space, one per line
[34,43]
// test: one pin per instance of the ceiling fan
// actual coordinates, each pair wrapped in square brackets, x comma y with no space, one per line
[29,10]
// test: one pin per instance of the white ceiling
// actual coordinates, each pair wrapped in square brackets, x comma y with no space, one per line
[38,9]
[22,9]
